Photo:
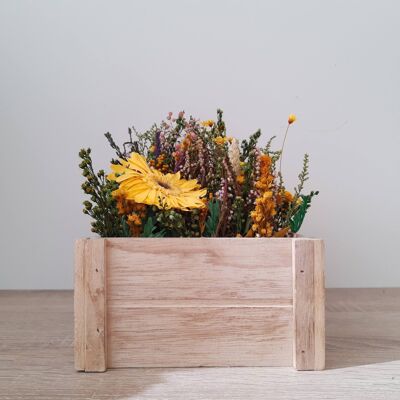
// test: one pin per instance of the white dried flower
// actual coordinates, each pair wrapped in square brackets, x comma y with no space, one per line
[234,155]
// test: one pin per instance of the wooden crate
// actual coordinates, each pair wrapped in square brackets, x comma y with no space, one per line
[188,302]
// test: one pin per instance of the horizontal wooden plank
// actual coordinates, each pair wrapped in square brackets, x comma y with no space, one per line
[199,336]
[176,268]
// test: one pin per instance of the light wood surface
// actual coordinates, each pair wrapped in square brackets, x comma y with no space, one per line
[90,306]
[308,305]
[319,304]
[188,268]
[199,302]
[79,304]
[200,336]
[363,357]
[95,305]
[137,296]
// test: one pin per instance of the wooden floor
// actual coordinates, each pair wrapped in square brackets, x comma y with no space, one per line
[363,357]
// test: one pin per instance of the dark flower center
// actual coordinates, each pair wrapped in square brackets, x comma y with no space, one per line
[164,185]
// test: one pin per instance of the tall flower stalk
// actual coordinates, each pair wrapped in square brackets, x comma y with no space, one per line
[291,119]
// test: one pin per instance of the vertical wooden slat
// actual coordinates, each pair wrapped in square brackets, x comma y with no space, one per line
[95,307]
[308,305]
[319,301]
[303,304]
[79,305]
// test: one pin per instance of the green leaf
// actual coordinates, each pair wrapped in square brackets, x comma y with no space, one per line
[247,226]
[297,219]
[149,229]
[126,232]
[213,218]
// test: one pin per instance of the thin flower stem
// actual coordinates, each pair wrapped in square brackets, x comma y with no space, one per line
[283,145]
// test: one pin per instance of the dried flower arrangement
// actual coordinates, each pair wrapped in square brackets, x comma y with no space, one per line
[186,178]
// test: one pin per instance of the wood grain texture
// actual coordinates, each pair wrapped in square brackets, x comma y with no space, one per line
[199,336]
[319,304]
[308,304]
[79,304]
[189,302]
[189,268]
[363,357]
[95,306]
[199,302]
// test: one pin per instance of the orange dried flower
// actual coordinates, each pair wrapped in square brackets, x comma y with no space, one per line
[265,208]
[135,212]
[220,140]
[291,119]
[209,123]
[240,179]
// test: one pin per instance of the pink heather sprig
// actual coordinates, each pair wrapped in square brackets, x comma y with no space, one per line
[229,179]
[186,167]
[199,146]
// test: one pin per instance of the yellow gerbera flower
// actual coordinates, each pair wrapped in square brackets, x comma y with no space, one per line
[146,185]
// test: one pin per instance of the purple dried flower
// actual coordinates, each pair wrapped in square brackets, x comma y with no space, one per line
[157,145]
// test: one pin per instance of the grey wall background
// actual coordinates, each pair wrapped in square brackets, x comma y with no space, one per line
[72,70]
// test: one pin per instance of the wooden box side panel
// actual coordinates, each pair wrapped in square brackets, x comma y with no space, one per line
[199,269]
[200,336]
[199,302]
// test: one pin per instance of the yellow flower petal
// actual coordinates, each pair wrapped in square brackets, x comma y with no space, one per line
[145,185]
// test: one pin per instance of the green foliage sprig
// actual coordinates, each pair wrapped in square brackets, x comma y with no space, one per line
[150,229]
[297,219]
[249,146]
[249,156]
[101,206]
[172,223]
[128,146]
[296,213]
[213,218]
[303,176]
